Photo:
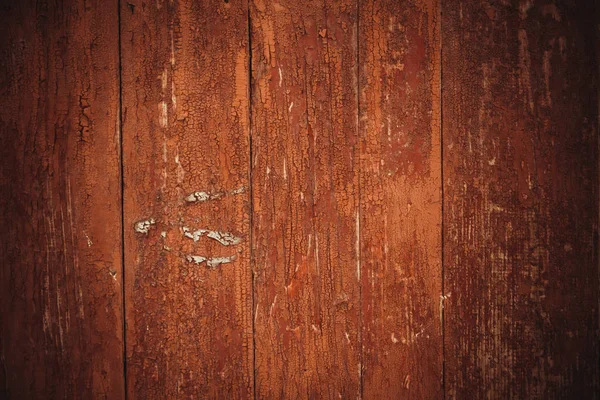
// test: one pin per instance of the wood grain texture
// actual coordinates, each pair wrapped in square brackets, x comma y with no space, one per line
[305,198]
[60,207]
[186,160]
[520,109]
[400,193]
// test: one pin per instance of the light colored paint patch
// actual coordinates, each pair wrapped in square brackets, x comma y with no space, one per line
[239,190]
[272,306]
[357,245]
[180,170]
[196,259]
[394,339]
[173,97]
[443,298]
[89,241]
[213,262]
[162,110]
[496,208]
[172,48]
[144,226]
[280,77]
[225,238]
[200,197]
[164,79]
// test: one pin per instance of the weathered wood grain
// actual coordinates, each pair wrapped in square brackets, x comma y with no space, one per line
[305,199]
[186,160]
[60,207]
[400,193]
[520,107]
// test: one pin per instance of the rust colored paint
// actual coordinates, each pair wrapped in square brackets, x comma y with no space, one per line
[187,206]
[352,199]
[305,199]
[520,107]
[400,198]
[60,207]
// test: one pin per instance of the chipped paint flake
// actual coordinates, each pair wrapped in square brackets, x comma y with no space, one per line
[225,238]
[196,259]
[200,197]
[241,189]
[144,226]
[213,262]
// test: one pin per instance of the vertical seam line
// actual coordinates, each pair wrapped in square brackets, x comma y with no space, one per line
[358,168]
[251,191]
[442,224]
[121,173]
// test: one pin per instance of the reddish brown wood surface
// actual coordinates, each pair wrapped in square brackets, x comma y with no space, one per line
[520,109]
[344,199]
[305,198]
[60,246]
[400,193]
[186,160]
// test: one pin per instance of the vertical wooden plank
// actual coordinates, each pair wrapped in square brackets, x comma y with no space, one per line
[520,110]
[305,191]
[186,159]
[400,198]
[60,207]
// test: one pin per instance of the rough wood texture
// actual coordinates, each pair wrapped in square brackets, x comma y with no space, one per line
[310,210]
[186,159]
[520,109]
[400,193]
[305,197]
[60,244]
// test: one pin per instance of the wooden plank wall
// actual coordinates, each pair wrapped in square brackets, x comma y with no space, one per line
[520,115]
[187,211]
[61,332]
[306,199]
[400,196]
